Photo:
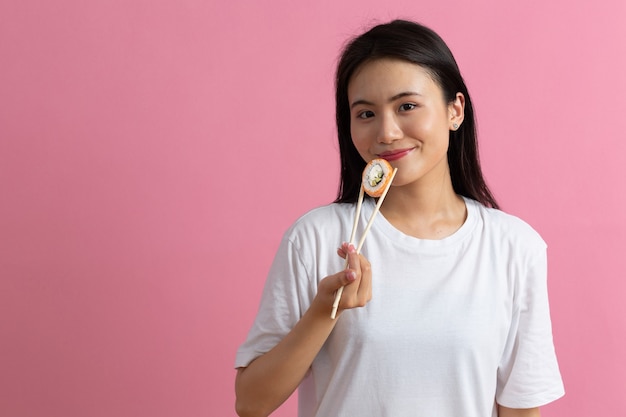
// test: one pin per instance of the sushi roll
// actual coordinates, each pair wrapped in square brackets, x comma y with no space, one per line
[376,176]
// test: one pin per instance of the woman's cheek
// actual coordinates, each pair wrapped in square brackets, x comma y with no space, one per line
[359,138]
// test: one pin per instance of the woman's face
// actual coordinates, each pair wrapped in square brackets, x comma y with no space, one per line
[398,112]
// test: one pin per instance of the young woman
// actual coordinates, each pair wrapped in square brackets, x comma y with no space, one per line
[445,310]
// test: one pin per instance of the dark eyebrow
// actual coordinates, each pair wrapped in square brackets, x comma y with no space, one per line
[392,99]
[404,94]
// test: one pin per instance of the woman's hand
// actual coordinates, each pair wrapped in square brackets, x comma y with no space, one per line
[356,280]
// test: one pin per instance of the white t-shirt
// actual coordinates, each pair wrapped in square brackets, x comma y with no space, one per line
[454,325]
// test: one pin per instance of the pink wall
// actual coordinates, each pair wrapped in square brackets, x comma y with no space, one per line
[153,152]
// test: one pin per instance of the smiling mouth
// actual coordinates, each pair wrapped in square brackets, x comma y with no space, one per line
[393,155]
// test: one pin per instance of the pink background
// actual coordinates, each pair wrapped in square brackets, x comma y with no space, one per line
[152,153]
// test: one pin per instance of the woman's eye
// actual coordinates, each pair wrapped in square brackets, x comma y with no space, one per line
[407,106]
[365,114]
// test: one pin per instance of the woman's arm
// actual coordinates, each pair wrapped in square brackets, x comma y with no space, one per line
[270,379]
[518,412]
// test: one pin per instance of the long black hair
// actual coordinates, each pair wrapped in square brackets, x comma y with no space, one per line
[411,42]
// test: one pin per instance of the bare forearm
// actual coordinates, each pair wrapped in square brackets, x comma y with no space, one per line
[518,412]
[270,379]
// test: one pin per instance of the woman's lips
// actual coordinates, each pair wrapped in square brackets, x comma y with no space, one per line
[393,155]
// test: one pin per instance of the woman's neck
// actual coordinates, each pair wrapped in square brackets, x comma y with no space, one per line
[425,212]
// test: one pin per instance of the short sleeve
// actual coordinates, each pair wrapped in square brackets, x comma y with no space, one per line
[286,290]
[528,375]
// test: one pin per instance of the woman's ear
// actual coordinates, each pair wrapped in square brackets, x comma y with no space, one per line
[456,111]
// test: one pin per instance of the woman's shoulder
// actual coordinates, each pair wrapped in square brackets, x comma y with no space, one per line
[335,210]
[508,227]
[324,220]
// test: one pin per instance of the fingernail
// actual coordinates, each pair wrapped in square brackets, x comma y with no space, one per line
[351,248]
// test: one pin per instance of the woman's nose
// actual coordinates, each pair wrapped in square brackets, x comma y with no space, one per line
[389,129]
